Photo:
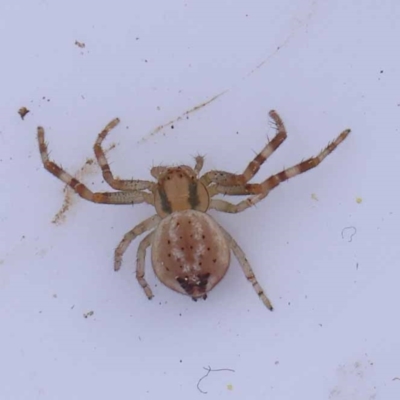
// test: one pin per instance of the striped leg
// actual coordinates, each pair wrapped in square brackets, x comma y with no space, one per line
[80,188]
[117,184]
[261,190]
[144,226]
[241,257]
[140,264]
[223,178]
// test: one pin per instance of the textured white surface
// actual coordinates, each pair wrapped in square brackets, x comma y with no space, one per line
[324,66]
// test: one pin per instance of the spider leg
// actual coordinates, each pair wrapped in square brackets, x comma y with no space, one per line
[117,184]
[244,263]
[261,190]
[199,164]
[80,188]
[223,178]
[144,226]
[140,264]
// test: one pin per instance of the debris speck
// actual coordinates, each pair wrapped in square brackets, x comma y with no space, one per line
[314,196]
[229,386]
[359,200]
[80,44]
[349,228]
[88,314]
[22,112]
[209,369]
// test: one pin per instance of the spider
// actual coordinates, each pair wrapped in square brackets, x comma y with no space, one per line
[190,251]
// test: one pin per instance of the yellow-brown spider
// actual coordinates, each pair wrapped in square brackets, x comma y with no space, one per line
[190,251]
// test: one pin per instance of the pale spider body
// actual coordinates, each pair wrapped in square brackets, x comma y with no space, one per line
[190,251]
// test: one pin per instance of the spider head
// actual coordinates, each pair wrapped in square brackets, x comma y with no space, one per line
[178,189]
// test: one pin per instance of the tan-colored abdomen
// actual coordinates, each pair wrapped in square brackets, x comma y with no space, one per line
[189,245]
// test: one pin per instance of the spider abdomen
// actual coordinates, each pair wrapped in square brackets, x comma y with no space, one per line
[190,253]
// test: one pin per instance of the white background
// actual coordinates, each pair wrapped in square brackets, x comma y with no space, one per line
[325,66]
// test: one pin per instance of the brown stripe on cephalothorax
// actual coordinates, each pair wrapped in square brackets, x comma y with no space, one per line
[165,203]
[194,200]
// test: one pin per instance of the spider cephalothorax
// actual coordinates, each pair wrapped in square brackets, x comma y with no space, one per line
[190,251]
[179,189]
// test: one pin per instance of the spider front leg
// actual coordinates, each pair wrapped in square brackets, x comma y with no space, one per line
[223,178]
[261,190]
[244,263]
[80,188]
[117,184]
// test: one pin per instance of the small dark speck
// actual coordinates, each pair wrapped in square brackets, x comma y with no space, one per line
[320,325]
[180,361]
[381,71]
[172,127]
[22,112]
